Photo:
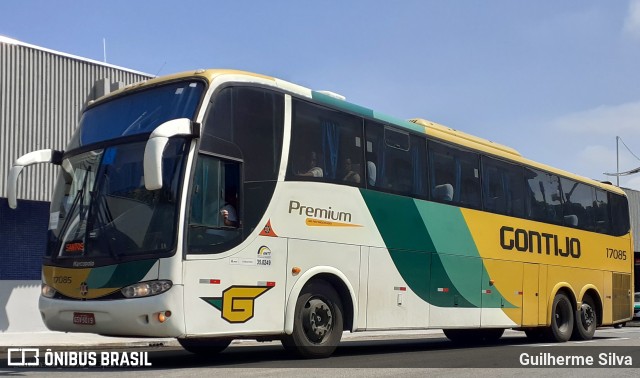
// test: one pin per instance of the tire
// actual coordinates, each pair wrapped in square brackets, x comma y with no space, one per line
[474,336]
[318,322]
[586,320]
[205,346]
[562,311]
[619,325]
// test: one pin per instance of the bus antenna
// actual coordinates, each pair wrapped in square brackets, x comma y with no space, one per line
[104,49]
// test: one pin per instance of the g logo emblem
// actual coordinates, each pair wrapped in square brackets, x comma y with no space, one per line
[237,302]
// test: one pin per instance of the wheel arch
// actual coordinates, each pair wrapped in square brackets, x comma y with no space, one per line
[594,293]
[340,283]
[560,287]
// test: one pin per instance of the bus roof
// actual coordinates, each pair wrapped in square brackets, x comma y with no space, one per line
[418,125]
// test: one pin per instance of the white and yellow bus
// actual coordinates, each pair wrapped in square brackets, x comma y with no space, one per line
[215,205]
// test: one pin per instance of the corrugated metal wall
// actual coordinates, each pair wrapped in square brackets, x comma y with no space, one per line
[42,95]
[634,212]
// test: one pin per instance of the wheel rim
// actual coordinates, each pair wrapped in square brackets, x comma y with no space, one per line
[562,316]
[588,315]
[317,320]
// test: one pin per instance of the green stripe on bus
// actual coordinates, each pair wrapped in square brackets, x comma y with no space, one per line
[429,237]
[98,277]
[341,104]
[452,237]
[124,274]
[448,228]
[404,235]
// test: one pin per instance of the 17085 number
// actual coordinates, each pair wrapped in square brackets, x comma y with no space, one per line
[616,254]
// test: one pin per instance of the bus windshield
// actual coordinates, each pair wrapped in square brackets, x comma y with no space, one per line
[101,208]
[137,113]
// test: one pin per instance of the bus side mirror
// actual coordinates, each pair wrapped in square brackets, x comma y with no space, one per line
[155,147]
[35,157]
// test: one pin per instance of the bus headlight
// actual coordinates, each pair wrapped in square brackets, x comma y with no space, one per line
[47,291]
[145,289]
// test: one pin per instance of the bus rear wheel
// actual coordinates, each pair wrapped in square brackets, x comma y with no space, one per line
[562,311]
[474,336]
[586,320]
[318,323]
[205,346]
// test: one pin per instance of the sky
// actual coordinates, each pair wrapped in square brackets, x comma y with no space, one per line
[556,80]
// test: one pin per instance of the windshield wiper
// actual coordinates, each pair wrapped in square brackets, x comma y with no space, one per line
[100,213]
[70,214]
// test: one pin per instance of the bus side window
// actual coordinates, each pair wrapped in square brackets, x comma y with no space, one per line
[503,187]
[326,145]
[457,168]
[578,204]
[214,223]
[600,213]
[544,197]
[619,207]
[374,144]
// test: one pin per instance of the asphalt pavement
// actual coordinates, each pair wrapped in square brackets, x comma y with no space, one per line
[61,339]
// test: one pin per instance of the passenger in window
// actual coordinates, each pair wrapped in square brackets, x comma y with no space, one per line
[350,172]
[228,210]
[313,170]
[371,169]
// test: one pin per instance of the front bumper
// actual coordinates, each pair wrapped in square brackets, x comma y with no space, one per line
[122,317]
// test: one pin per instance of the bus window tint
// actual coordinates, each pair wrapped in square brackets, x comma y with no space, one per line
[543,200]
[619,214]
[601,220]
[396,161]
[374,153]
[397,173]
[247,124]
[455,175]
[578,204]
[502,187]
[419,167]
[215,189]
[326,145]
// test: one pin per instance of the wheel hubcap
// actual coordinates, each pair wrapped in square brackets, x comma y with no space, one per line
[588,315]
[318,320]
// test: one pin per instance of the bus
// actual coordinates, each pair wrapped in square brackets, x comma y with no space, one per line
[216,205]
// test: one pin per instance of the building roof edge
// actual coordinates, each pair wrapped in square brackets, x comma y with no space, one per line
[11,41]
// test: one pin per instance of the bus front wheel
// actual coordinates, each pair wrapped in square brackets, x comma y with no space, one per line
[318,323]
[562,311]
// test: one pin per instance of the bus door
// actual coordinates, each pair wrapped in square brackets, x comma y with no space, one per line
[233,285]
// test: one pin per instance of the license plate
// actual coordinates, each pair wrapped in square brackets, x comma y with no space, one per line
[84,318]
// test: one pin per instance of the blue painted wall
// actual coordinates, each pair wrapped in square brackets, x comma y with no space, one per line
[23,238]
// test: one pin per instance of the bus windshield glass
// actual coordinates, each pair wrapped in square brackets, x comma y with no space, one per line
[138,113]
[101,208]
